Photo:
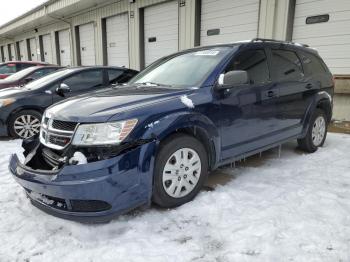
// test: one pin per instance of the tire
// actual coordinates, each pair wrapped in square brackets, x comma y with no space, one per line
[170,173]
[29,119]
[315,136]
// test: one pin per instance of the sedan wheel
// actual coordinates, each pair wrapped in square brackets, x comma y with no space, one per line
[181,172]
[26,126]
[318,130]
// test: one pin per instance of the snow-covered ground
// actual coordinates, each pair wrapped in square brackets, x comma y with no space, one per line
[293,208]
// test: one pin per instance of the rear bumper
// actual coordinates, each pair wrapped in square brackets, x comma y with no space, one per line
[94,192]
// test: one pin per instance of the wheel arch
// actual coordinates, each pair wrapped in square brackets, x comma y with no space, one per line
[189,123]
[323,101]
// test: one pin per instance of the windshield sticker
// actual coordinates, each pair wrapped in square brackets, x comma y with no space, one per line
[207,53]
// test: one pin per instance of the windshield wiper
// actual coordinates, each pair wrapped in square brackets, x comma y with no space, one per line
[153,84]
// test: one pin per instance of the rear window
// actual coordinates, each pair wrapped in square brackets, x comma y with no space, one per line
[286,65]
[312,64]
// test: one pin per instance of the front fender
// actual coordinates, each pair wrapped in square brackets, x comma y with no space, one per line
[321,100]
[169,124]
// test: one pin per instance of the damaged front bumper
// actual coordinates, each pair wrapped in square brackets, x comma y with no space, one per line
[92,192]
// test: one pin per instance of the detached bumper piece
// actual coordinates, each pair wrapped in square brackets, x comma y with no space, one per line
[93,192]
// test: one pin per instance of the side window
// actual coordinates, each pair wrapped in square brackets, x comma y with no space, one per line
[114,75]
[286,66]
[85,80]
[255,63]
[312,65]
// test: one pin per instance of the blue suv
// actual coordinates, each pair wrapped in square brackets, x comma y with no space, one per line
[156,138]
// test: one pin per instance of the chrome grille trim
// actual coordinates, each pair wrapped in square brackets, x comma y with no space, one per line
[49,134]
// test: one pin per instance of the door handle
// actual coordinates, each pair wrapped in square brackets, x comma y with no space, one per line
[271,93]
[309,86]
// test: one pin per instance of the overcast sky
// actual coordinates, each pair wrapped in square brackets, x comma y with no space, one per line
[11,9]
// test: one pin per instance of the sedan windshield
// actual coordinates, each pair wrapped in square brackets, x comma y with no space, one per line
[43,81]
[8,69]
[189,69]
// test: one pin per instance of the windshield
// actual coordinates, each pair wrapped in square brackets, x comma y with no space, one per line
[19,75]
[185,70]
[43,81]
[8,69]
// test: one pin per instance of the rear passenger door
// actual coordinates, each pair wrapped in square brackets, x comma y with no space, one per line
[294,89]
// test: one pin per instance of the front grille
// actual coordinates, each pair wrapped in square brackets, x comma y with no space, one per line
[64,125]
[89,205]
[57,134]
[69,205]
[58,140]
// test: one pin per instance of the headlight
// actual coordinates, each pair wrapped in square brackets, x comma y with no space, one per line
[104,133]
[6,102]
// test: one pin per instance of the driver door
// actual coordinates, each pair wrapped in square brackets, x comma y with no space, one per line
[248,112]
[82,82]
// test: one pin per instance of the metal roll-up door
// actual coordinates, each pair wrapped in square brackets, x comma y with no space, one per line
[161,35]
[117,34]
[87,44]
[227,21]
[6,53]
[47,48]
[64,48]
[13,52]
[33,49]
[325,26]
[22,51]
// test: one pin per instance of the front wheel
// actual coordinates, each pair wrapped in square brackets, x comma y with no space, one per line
[25,124]
[316,134]
[180,171]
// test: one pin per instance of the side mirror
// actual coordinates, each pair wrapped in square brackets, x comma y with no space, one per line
[232,79]
[63,89]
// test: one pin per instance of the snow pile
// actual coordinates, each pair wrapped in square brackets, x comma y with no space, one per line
[295,208]
[187,102]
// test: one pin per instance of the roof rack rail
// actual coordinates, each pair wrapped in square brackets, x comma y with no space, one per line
[277,41]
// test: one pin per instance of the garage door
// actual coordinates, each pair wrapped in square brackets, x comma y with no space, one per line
[13,52]
[47,48]
[227,21]
[325,25]
[64,48]
[33,49]
[87,44]
[117,32]
[161,25]
[22,51]
[6,53]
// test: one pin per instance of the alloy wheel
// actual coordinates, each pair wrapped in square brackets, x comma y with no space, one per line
[26,126]
[181,172]
[318,131]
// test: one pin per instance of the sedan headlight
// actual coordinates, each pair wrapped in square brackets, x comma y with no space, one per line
[104,133]
[6,102]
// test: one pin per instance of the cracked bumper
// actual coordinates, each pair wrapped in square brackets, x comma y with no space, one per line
[93,192]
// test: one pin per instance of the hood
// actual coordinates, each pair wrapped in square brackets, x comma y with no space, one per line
[101,105]
[3,76]
[13,92]
[4,83]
